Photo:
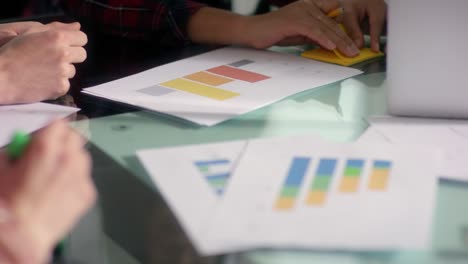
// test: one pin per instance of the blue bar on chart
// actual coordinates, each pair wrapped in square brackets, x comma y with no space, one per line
[321,183]
[351,175]
[380,175]
[293,182]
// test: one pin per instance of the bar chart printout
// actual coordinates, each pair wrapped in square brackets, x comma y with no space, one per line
[320,186]
[292,185]
[287,193]
[206,83]
[321,182]
[351,175]
[216,173]
[219,85]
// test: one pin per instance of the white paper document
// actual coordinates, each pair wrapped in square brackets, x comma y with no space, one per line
[451,136]
[216,86]
[29,118]
[193,179]
[298,194]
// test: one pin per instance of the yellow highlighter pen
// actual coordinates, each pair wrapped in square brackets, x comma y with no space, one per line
[336,12]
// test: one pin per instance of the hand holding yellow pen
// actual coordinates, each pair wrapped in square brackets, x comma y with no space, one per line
[333,14]
[335,56]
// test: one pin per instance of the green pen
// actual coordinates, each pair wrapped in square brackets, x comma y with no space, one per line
[18,144]
[15,149]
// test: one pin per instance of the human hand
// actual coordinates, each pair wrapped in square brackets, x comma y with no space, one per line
[48,188]
[356,12]
[8,31]
[301,22]
[37,65]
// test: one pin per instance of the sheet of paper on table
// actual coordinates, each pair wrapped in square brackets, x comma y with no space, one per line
[29,118]
[216,86]
[291,193]
[193,179]
[451,136]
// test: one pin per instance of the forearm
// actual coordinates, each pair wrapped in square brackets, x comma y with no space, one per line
[217,26]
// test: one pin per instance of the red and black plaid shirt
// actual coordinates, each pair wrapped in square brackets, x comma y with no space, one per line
[135,18]
[138,18]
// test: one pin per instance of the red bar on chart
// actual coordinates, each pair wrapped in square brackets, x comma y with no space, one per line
[238,74]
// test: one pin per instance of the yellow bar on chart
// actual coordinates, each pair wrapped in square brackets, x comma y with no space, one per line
[200,89]
[285,203]
[316,198]
[379,179]
[208,78]
[349,184]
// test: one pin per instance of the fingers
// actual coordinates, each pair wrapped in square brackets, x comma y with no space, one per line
[35,169]
[69,37]
[377,22]
[69,71]
[64,26]
[342,41]
[351,23]
[76,54]
[45,148]
[74,140]
[318,37]
[332,32]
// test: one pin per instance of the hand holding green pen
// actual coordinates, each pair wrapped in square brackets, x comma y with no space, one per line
[18,144]
[15,149]
[47,187]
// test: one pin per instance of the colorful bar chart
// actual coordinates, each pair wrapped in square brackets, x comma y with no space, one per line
[199,89]
[292,185]
[321,183]
[216,173]
[238,74]
[379,175]
[204,83]
[351,175]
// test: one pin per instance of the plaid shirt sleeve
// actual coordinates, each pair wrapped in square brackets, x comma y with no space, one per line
[137,19]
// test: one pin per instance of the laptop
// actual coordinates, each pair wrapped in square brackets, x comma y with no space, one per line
[427,62]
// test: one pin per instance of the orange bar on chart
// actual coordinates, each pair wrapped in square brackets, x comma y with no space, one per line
[380,175]
[349,184]
[208,78]
[316,198]
[285,203]
[379,179]
[238,74]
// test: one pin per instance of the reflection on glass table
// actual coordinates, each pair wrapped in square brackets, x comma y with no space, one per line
[136,221]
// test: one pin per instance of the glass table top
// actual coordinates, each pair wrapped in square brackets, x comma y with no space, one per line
[131,222]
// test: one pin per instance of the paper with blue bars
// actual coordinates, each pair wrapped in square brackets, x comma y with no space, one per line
[298,192]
